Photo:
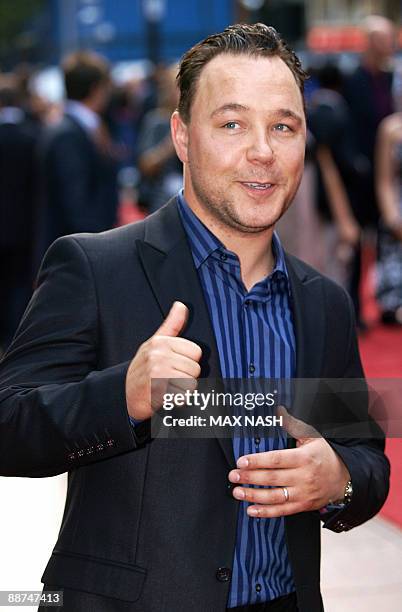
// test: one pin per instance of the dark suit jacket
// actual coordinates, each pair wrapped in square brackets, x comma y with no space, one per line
[148,523]
[360,94]
[17,184]
[78,184]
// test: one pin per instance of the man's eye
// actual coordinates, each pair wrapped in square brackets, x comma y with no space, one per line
[282,127]
[231,125]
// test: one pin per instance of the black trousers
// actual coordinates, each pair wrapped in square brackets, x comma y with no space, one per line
[287,603]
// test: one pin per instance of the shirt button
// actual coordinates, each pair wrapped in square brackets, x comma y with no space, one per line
[258,587]
[223,574]
[251,368]
[248,303]
[257,440]
[223,256]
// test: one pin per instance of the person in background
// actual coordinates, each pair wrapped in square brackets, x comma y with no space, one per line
[160,168]
[389,193]
[78,171]
[369,93]
[35,106]
[308,245]
[18,138]
[122,118]
[342,170]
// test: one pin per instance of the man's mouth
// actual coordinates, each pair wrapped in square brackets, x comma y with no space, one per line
[258,186]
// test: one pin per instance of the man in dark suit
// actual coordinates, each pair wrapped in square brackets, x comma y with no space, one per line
[18,138]
[169,525]
[368,92]
[78,173]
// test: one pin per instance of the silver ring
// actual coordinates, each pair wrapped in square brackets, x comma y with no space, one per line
[286,493]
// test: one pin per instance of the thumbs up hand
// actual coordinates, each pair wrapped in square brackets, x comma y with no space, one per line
[163,356]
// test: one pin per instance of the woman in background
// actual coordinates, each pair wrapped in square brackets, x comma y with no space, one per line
[389,191]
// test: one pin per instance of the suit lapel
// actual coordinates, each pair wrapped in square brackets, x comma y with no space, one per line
[168,264]
[309,318]
[309,323]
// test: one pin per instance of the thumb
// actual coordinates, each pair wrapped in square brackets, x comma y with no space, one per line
[175,321]
[299,430]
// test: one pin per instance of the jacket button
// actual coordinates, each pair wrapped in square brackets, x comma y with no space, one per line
[223,574]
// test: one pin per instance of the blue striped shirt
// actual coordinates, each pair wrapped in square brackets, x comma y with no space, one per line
[255,338]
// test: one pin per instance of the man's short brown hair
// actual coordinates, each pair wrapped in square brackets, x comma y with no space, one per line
[255,39]
[83,71]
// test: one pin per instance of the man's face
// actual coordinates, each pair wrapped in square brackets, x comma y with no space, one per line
[100,96]
[243,148]
[383,42]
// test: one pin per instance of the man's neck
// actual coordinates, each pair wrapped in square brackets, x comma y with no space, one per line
[255,255]
[254,249]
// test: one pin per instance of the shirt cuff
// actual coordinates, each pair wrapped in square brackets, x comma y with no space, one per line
[331,508]
[134,422]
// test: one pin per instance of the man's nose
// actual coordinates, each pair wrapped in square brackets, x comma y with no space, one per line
[260,149]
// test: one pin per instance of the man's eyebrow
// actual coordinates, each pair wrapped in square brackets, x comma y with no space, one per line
[286,113]
[280,113]
[232,106]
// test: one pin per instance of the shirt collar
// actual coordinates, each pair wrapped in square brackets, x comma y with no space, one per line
[203,242]
[86,117]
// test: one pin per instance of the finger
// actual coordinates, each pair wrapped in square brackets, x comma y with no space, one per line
[276,459]
[295,427]
[175,321]
[276,510]
[181,382]
[182,346]
[274,496]
[186,365]
[272,478]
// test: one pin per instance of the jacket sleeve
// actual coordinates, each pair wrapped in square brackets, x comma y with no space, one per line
[364,457]
[57,410]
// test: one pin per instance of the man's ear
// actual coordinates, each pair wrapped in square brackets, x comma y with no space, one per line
[179,131]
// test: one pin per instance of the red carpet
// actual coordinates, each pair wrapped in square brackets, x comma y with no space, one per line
[381,351]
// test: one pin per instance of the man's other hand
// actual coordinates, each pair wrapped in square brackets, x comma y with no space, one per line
[313,475]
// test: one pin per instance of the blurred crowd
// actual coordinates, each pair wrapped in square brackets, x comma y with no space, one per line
[105,156]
